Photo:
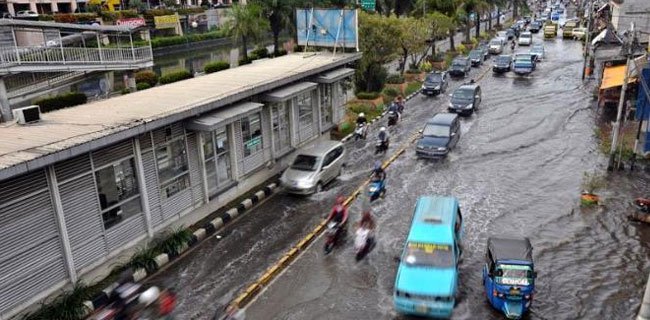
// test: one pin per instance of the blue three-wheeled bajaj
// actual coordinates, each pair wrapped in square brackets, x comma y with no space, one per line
[509,275]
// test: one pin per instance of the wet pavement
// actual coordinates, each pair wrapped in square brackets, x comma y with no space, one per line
[517,171]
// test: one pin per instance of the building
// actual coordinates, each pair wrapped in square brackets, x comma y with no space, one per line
[88,183]
[628,11]
[40,6]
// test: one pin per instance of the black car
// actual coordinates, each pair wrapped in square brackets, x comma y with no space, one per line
[466,99]
[440,134]
[511,34]
[527,19]
[476,57]
[535,26]
[435,83]
[460,67]
[502,64]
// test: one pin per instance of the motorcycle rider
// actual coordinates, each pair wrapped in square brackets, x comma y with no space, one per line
[378,173]
[400,104]
[394,107]
[361,120]
[339,213]
[367,221]
[512,45]
[383,136]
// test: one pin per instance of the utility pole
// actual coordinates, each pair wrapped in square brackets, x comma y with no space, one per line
[587,41]
[627,47]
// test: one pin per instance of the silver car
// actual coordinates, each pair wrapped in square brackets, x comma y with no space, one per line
[495,46]
[314,167]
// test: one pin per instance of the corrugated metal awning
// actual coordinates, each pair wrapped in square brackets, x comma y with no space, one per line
[289,92]
[215,119]
[334,75]
[614,77]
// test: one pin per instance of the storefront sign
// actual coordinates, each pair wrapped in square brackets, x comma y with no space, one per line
[166,22]
[131,22]
[253,142]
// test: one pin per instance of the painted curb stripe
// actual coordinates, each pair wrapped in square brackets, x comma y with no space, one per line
[200,234]
[241,208]
[260,195]
[209,229]
[161,259]
[268,191]
[139,274]
[217,223]
[233,213]
[193,241]
[225,217]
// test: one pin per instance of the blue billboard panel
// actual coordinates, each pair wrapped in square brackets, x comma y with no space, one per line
[320,27]
[643,109]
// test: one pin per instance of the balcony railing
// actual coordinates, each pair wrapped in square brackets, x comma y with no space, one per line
[73,55]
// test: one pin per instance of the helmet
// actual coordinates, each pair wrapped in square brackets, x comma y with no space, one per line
[377,164]
[382,129]
[362,114]
[149,296]
[340,199]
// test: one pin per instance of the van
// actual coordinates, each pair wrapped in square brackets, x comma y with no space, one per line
[466,99]
[440,134]
[426,283]
[313,167]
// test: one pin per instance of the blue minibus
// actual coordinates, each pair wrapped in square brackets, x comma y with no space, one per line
[427,277]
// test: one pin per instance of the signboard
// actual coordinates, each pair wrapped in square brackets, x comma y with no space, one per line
[131,22]
[166,22]
[327,27]
[368,5]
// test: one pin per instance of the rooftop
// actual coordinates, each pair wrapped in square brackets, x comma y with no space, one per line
[65,133]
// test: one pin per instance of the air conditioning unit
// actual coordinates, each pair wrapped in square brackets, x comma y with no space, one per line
[27,114]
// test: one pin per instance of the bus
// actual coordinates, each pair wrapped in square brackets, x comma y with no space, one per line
[427,277]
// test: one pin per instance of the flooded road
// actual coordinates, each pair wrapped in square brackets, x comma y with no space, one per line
[517,171]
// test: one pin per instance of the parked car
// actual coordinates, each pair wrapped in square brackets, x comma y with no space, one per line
[496,46]
[502,64]
[579,33]
[535,26]
[435,83]
[26,14]
[538,51]
[460,66]
[440,134]
[313,167]
[466,99]
[525,39]
[476,57]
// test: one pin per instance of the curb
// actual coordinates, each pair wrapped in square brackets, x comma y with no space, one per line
[102,299]
[377,118]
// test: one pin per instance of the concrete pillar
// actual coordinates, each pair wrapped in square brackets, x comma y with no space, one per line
[32,6]
[144,34]
[129,80]
[60,218]
[73,6]
[10,7]
[54,7]
[142,184]
[5,107]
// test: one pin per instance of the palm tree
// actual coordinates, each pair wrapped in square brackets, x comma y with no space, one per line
[246,23]
[279,14]
[480,7]
[453,10]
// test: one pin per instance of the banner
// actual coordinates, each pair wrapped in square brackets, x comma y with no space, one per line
[166,22]
[131,22]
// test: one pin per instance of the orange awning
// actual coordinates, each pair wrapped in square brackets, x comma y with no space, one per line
[614,76]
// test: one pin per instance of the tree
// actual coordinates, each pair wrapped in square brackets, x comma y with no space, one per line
[453,10]
[439,26]
[246,23]
[480,7]
[280,16]
[415,32]
[378,47]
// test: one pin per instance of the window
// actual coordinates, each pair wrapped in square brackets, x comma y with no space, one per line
[117,187]
[305,116]
[216,149]
[251,128]
[171,159]
[326,103]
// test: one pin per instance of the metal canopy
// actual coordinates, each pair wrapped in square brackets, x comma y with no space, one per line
[289,92]
[511,249]
[333,76]
[63,26]
[213,120]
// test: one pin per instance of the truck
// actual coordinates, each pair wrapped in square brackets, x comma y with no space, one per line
[550,31]
[567,31]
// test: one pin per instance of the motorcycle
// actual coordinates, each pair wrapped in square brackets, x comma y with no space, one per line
[381,146]
[392,118]
[376,189]
[332,234]
[363,243]
[512,46]
[360,132]
[642,204]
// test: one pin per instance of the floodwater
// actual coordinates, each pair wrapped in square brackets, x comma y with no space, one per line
[516,171]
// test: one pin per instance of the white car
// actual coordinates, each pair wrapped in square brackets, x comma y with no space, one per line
[525,39]
[578,33]
[26,14]
[496,46]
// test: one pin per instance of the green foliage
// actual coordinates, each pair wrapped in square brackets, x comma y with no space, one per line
[144,258]
[390,94]
[280,53]
[260,53]
[395,79]
[345,128]
[412,88]
[45,17]
[193,10]
[149,14]
[592,182]
[125,91]
[146,76]
[195,37]
[115,15]
[244,61]
[142,86]
[246,23]
[379,36]
[67,306]
[61,101]
[175,76]
[462,49]
[370,76]
[367,95]
[74,17]
[137,5]
[174,241]
[370,110]
[426,67]
[216,66]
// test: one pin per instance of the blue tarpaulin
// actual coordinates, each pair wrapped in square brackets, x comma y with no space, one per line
[643,107]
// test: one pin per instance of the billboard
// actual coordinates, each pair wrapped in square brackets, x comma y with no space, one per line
[327,27]
[166,22]
[131,22]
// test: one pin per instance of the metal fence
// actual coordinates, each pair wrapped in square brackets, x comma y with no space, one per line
[73,55]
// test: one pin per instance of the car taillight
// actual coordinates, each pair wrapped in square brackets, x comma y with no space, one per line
[497,294]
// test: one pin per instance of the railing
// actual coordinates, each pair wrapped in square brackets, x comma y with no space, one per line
[73,55]
[18,86]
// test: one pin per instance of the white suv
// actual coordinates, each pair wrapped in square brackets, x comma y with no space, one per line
[525,39]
